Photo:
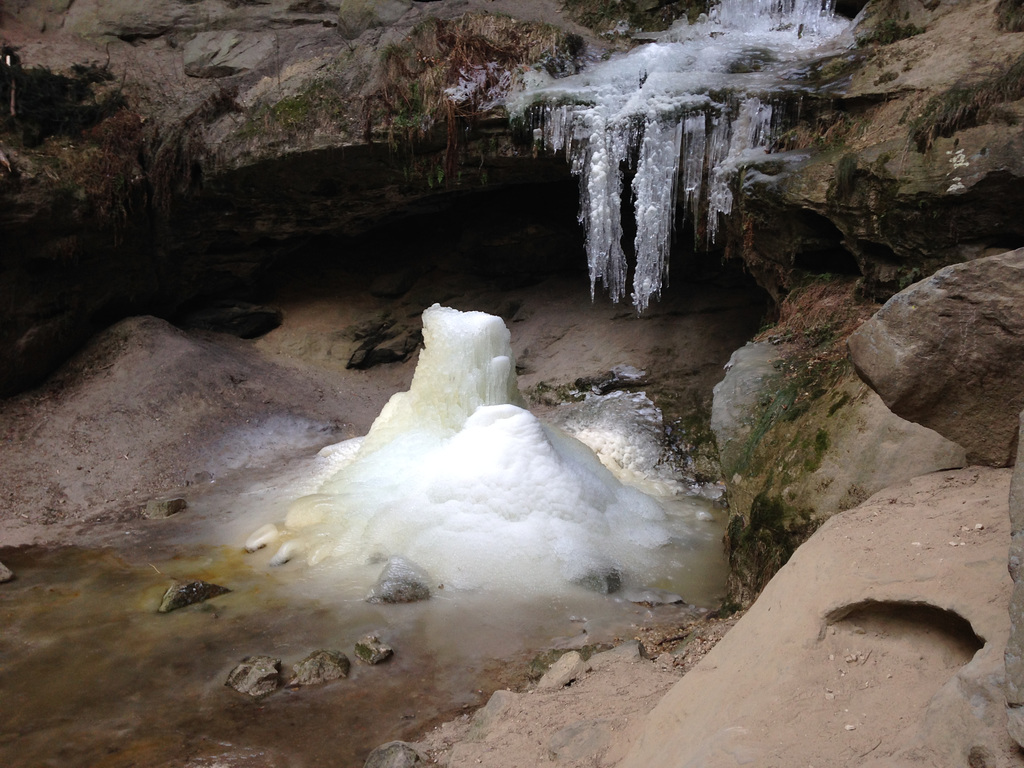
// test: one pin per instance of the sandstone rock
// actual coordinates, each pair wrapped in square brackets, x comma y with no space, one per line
[581,741]
[394,754]
[630,651]
[321,667]
[371,650]
[948,353]
[400,582]
[256,676]
[564,671]
[492,712]
[157,509]
[6,574]
[222,54]
[733,408]
[856,446]
[357,16]
[1014,656]
[180,594]
[796,449]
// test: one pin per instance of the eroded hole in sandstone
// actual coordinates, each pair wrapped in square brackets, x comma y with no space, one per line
[921,632]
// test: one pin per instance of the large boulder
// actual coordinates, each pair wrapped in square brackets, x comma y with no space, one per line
[948,353]
[879,639]
[798,443]
[1014,657]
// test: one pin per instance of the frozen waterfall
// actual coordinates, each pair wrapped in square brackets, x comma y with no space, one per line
[685,111]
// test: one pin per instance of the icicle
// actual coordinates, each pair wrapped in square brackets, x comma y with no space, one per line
[597,164]
[719,194]
[732,143]
[694,150]
[681,112]
[654,189]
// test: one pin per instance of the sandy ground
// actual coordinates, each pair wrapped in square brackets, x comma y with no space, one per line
[880,644]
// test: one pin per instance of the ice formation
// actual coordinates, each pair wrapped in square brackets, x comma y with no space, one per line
[457,477]
[684,111]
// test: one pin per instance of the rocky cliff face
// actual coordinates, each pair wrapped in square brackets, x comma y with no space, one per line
[258,129]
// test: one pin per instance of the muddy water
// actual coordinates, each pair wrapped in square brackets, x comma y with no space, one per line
[92,675]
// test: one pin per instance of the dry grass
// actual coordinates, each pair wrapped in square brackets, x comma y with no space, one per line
[819,316]
[417,77]
[1010,15]
[965,106]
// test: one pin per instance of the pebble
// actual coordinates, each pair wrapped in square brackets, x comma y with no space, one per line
[321,667]
[157,509]
[256,676]
[371,650]
[180,594]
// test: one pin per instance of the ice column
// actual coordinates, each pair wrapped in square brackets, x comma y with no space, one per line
[746,135]
[654,191]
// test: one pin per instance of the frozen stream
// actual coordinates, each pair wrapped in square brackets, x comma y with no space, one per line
[93,676]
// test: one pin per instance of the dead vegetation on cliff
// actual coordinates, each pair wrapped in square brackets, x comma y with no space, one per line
[452,72]
[818,316]
[967,105]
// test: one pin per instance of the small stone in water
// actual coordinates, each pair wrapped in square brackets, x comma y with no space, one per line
[371,650]
[180,594]
[160,508]
[603,581]
[400,582]
[256,676]
[320,667]
[394,754]
[6,574]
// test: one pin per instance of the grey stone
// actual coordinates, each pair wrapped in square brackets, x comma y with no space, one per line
[492,712]
[357,16]
[182,593]
[628,651]
[652,596]
[222,54]
[255,676]
[321,667]
[157,509]
[605,581]
[580,741]
[736,396]
[1013,657]
[371,650]
[948,353]
[619,377]
[568,668]
[6,574]
[634,420]
[866,447]
[394,754]
[400,582]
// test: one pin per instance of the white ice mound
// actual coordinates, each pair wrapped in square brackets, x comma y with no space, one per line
[456,477]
